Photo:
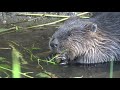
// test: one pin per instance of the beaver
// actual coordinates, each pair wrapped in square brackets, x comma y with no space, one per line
[88,41]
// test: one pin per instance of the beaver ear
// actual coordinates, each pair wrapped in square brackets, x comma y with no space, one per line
[93,27]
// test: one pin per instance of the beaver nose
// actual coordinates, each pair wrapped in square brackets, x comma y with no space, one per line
[53,45]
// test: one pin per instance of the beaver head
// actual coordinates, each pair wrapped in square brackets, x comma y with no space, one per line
[82,41]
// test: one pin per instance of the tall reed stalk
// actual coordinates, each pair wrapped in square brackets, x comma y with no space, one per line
[111,69]
[15,63]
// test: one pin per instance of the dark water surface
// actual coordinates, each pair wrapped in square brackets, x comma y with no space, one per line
[84,71]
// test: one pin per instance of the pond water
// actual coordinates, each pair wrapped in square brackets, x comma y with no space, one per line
[83,71]
[40,39]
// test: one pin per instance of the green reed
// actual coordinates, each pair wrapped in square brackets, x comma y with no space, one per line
[111,69]
[16,67]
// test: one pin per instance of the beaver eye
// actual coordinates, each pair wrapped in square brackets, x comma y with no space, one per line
[55,45]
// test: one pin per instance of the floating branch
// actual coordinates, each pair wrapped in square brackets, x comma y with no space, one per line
[48,23]
[13,29]
[54,21]
[49,15]
[46,15]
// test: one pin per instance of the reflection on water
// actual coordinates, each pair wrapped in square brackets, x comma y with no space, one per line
[93,71]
